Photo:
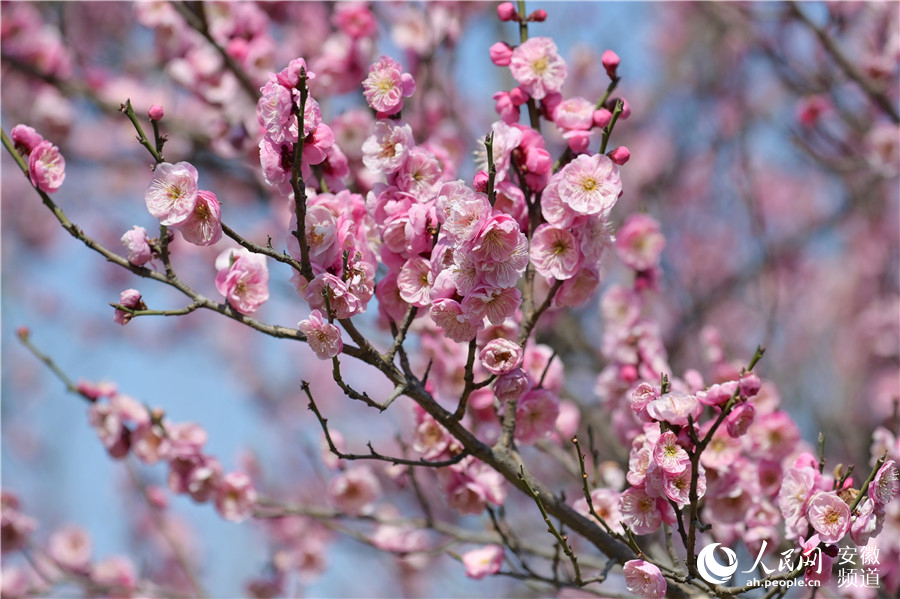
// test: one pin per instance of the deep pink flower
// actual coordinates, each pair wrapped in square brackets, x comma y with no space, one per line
[739,420]
[610,62]
[355,19]
[243,279]
[537,66]
[506,11]
[483,562]
[620,155]
[644,579]
[639,242]
[590,184]
[235,497]
[536,415]
[135,241]
[156,112]
[323,337]
[25,138]
[172,193]
[204,224]
[501,356]
[555,253]
[387,85]
[46,167]
[829,515]
[501,54]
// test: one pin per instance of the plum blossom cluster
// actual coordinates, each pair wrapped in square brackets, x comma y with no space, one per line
[67,552]
[125,426]
[46,166]
[174,198]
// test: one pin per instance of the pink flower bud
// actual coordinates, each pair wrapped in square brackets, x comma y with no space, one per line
[130,298]
[620,155]
[518,96]
[155,112]
[23,332]
[480,182]
[749,385]
[626,109]
[501,54]
[538,16]
[610,62]
[511,386]
[25,138]
[740,419]
[578,140]
[602,117]
[46,167]
[506,11]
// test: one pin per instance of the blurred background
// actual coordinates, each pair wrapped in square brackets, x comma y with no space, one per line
[772,170]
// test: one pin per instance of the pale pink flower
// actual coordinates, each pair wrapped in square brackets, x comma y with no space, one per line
[867,523]
[500,356]
[387,85]
[204,224]
[323,337]
[274,111]
[574,113]
[235,497]
[738,422]
[448,314]
[172,193]
[498,239]
[579,289]
[536,415]
[130,298]
[70,548]
[341,301]
[537,66]
[644,579]
[203,479]
[774,435]
[156,112]
[420,174]
[415,281]
[430,438]
[135,241]
[669,455]
[150,443]
[354,490]
[674,407]
[885,486]
[482,562]
[355,19]
[471,485]
[639,242]
[386,149]
[117,572]
[46,167]
[512,385]
[796,488]
[606,505]
[590,184]
[494,303]
[243,279]
[677,487]
[829,515]
[555,253]
[640,511]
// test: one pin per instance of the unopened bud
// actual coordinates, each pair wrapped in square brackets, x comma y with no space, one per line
[620,155]
[610,62]
[501,54]
[155,112]
[602,117]
[480,182]
[506,11]
[538,16]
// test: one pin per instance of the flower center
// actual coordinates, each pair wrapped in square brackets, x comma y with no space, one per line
[540,65]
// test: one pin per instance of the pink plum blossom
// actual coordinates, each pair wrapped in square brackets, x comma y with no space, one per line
[342,302]
[354,490]
[243,279]
[669,455]
[203,225]
[70,547]
[537,66]
[387,85]
[155,112]
[829,515]
[46,167]
[590,184]
[574,113]
[448,315]
[644,579]
[483,562]
[387,148]
[172,193]
[235,497]
[674,407]
[555,253]
[536,415]
[640,511]
[135,241]
[886,484]
[639,242]
[495,304]
[323,338]
[512,385]
[501,356]
[25,138]
[130,298]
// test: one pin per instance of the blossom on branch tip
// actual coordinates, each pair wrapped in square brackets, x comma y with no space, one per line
[130,298]
[537,66]
[46,167]
[156,112]
[235,497]
[644,579]
[386,86]
[639,243]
